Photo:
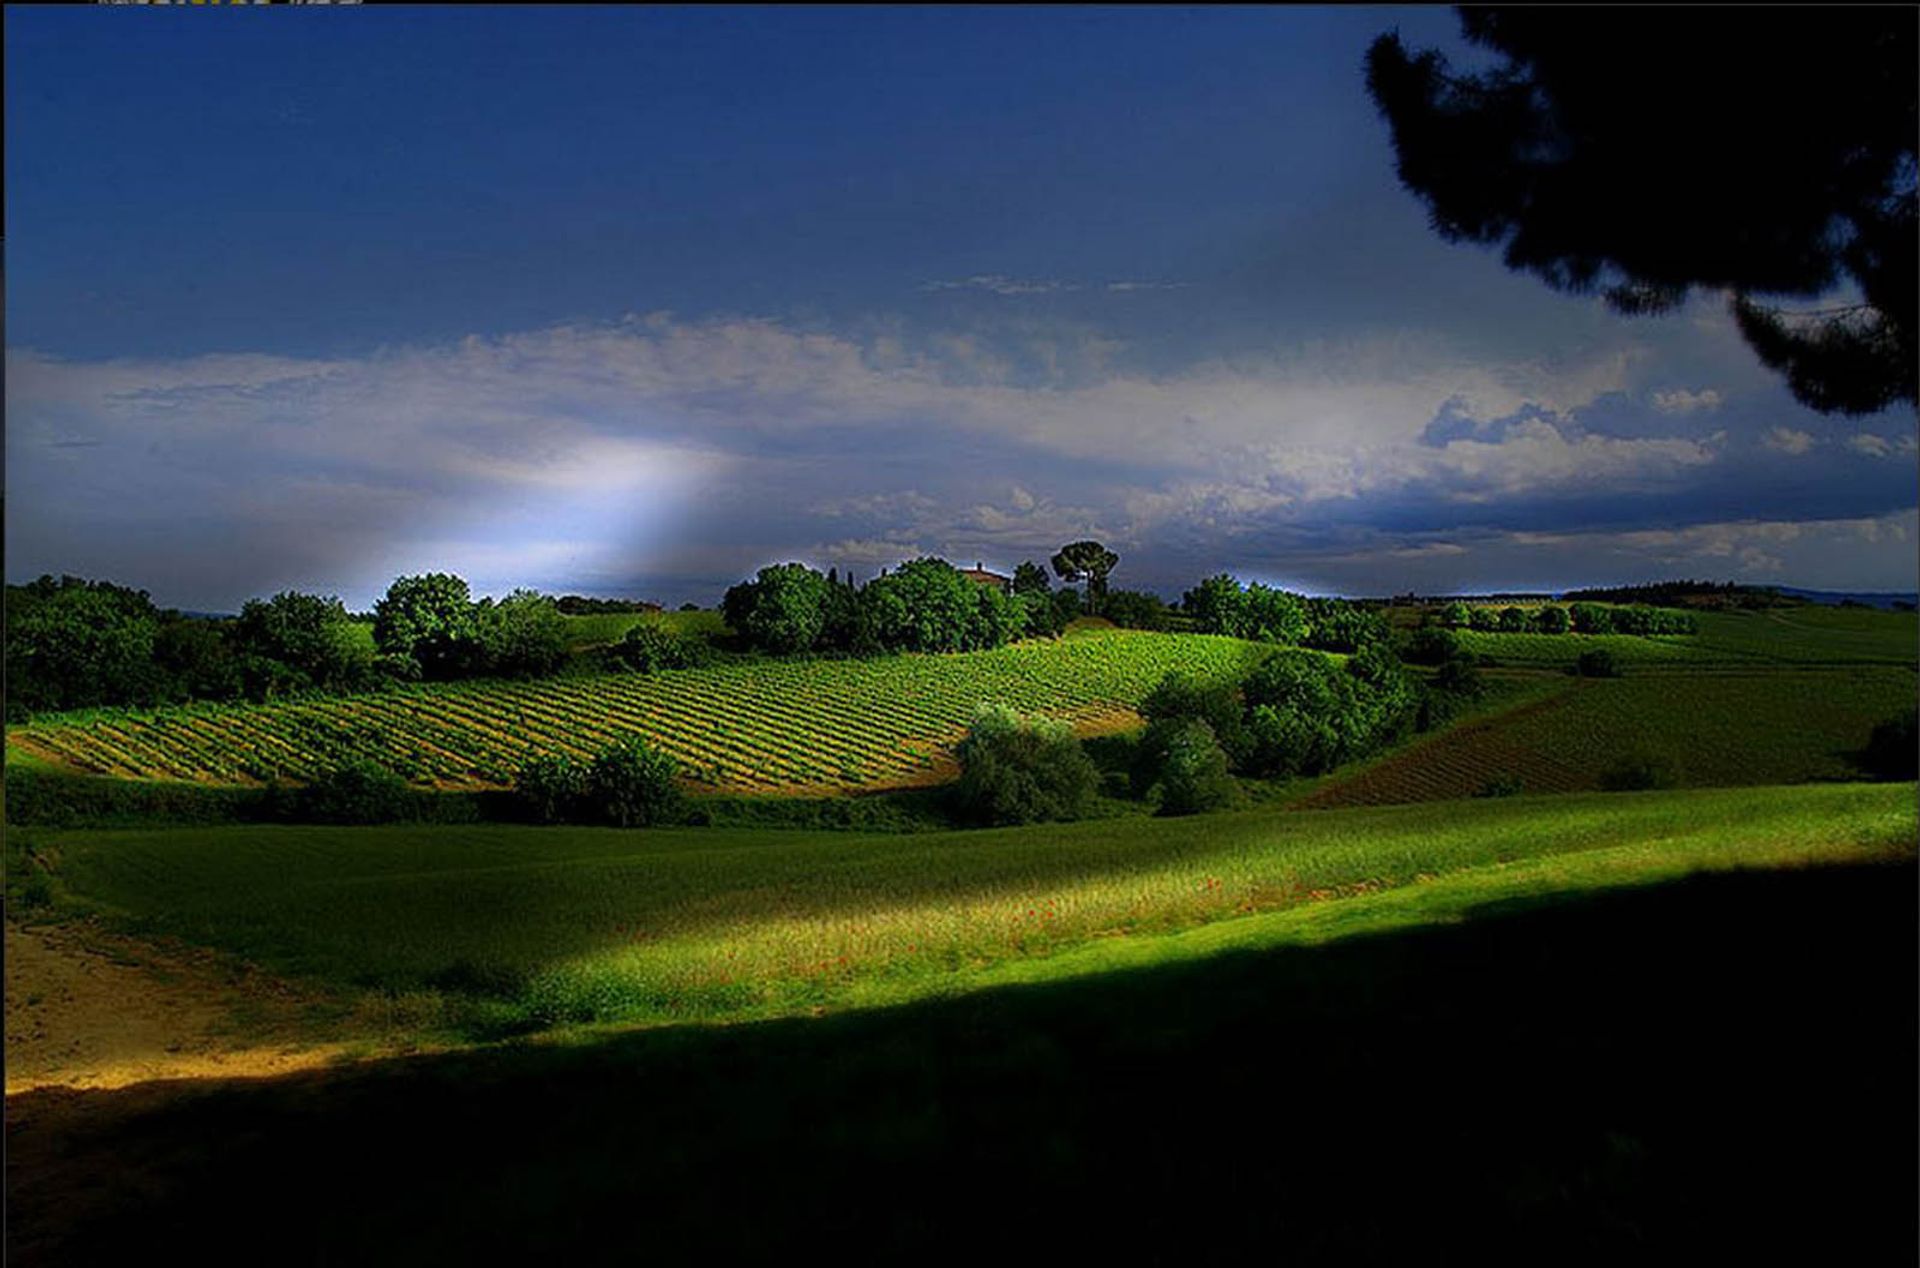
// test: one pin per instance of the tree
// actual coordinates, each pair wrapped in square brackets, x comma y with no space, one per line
[925,605]
[1089,562]
[1218,606]
[1135,610]
[430,620]
[1031,578]
[310,634]
[75,643]
[524,635]
[784,609]
[1273,616]
[1190,770]
[1641,153]
[1015,769]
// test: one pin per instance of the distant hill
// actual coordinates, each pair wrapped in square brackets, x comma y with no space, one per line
[1885,599]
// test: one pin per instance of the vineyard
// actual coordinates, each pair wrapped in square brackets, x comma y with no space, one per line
[762,726]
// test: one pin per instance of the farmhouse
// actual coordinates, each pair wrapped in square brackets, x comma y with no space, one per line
[979,575]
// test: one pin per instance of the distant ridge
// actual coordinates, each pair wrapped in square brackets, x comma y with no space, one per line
[1885,599]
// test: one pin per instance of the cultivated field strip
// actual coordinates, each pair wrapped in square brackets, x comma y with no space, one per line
[1724,729]
[763,726]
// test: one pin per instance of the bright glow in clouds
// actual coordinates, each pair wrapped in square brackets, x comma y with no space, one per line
[669,458]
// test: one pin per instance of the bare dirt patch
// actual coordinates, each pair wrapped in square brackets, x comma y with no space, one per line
[89,1009]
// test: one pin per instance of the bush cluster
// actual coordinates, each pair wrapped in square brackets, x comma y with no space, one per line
[1637,772]
[1297,713]
[1580,618]
[924,605]
[1597,663]
[629,784]
[647,647]
[1015,769]
[1221,605]
[1893,749]
[1187,769]
[431,626]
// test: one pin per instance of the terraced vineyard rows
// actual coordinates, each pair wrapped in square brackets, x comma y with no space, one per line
[761,726]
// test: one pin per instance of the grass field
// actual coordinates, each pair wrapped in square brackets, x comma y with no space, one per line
[602,628]
[1811,636]
[499,927]
[767,726]
[1710,728]
[1719,1067]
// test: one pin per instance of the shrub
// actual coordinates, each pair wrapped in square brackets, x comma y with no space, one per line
[1022,770]
[551,788]
[1891,751]
[1191,769]
[1431,645]
[1591,618]
[1597,663]
[1482,619]
[1456,615]
[1552,620]
[1637,772]
[1513,620]
[356,792]
[1177,697]
[1505,784]
[647,647]
[1454,687]
[632,785]
[1459,676]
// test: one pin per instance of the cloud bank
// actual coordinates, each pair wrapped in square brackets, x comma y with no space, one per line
[670,457]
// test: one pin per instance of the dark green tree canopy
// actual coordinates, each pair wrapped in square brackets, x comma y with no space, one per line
[1641,152]
[1031,578]
[1089,562]
[432,620]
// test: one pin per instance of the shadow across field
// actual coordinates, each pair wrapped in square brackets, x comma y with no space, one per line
[1711,1069]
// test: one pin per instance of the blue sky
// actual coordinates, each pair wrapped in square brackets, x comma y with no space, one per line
[635,300]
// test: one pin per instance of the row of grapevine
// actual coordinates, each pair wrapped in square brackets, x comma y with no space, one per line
[757,726]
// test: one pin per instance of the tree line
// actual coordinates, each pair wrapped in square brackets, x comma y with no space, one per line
[1577,618]
[72,643]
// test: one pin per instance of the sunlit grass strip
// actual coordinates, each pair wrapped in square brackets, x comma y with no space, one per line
[584,924]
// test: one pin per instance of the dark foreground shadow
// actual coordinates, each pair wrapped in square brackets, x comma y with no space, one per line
[1718,1070]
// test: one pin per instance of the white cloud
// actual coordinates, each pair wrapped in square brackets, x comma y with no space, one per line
[999,284]
[1681,401]
[1744,549]
[1787,440]
[1875,446]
